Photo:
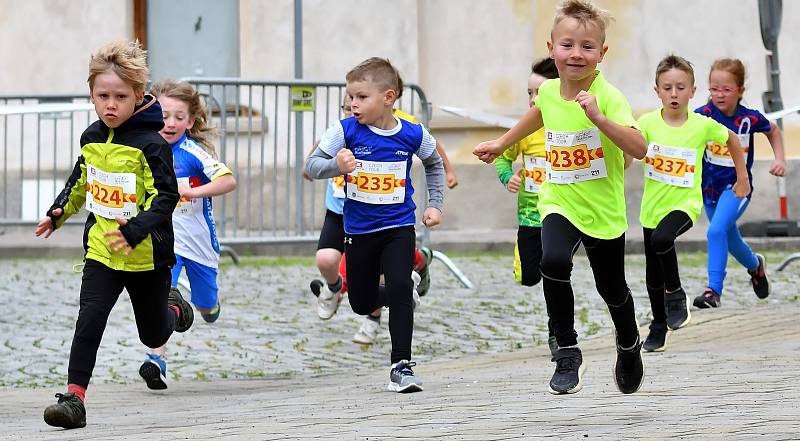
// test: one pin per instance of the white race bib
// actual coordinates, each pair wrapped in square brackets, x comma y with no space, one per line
[110,195]
[337,185]
[718,154]
[186,206]
[377,182]
[670,165]
[534,172]
[574,156]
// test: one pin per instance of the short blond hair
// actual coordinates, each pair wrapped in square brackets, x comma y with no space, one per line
[125,58]
[584,12]
[380,71]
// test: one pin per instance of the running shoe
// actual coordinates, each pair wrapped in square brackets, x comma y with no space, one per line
[327,300]
[568,377]
[154,372]
[656,340]
[186,316]
[709,299]
[402,378]
[212,316]
[758,278]
[678,314]
[369,330]
[68,413]
[629,370]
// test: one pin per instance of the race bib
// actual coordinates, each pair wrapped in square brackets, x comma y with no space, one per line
[377,182]
[574,156]
[337,185]
[718,154]
[186,206]
[670,165]
[534,172]
[110,195]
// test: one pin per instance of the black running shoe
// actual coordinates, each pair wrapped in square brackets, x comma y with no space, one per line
[709,299]
[759,278]
[629,370]
[678,314]
[657,338]
[569,372]
[186,316]
[68,413]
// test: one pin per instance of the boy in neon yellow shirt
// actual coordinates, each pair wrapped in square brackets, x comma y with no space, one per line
[588,125]
[672,197]
[528,250]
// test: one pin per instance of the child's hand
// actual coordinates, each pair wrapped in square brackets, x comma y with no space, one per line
[515,182]
[588,103]
[488,150]
[778,168]
[46,226]
[345,161]
[432,217]
[185,192]
[118,242]
[741,188]
[452,180]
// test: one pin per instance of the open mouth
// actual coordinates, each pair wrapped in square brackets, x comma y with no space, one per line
[169,133]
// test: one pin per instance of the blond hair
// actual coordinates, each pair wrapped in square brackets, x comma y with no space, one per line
[733,66]
[380,71]
[674,62]
[584,12]
[185,92]
[125,58]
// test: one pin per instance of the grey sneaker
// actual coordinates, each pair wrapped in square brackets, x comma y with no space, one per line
[629,370]
[678,314]
[402,378]
[567,379]
[186,316]
[656,340]
[68,413]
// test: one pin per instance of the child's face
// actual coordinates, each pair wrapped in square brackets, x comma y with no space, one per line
[368,102]
[675,88]
[347,109]
[114,100]
[725,93]
[177,119]
[576,48]
[534,82]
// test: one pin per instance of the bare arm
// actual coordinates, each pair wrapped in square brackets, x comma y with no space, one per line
[529,123]
[628,139]
[221,185]
[449,171]
[775,138]
[742,186]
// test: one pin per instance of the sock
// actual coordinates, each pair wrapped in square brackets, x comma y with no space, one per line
[79,391]
[336,287]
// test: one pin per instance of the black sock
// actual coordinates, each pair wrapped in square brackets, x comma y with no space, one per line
[336,287]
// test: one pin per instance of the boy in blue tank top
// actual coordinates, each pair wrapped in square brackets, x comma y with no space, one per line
[373,149]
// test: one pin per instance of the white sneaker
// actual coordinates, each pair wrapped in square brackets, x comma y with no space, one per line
[416,278]
[368,331]
[327,302]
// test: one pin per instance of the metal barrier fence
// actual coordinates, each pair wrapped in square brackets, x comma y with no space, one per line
[266,130]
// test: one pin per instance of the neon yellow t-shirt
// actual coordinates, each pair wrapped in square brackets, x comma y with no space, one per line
[673,166]
[594,205]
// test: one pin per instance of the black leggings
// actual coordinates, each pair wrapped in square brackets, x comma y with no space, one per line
[391,251]
[560,241]
[100,289]
[661,271]
[529,245]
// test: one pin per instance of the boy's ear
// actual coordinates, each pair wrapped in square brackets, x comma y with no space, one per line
[603,53]
[139,97]
[390,96]
[550,48]
[694,89]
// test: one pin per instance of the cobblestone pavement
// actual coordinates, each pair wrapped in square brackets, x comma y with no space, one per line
[474,348]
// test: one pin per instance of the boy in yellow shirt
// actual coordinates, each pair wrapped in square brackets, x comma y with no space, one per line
[589,126]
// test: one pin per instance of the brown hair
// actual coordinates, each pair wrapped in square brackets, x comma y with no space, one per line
[380,71]
[183,91]
[733,66]
[546,67]
[125,58]
[674,62]
[585,12]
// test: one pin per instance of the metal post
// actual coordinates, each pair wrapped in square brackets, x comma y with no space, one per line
[298,116]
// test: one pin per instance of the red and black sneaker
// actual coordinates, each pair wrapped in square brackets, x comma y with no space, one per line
[709,299]
[68,413]
[758,278]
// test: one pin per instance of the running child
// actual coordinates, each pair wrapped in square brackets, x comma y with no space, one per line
[588,125]
[672,198]
[528,250]
[124,175]
[200,176]
[723,208]
[373,148]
